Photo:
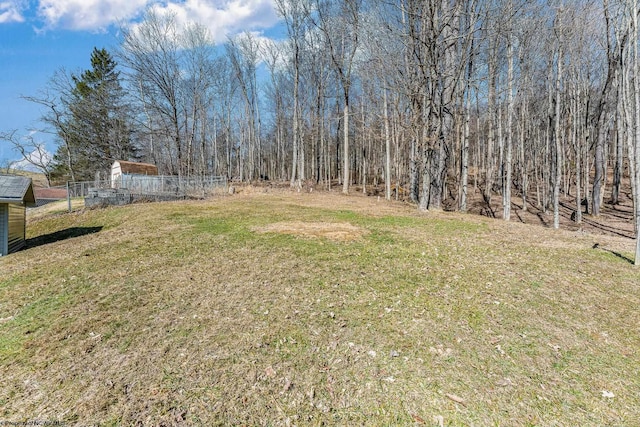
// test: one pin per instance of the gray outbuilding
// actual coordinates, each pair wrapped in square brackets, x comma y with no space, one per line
[16,193]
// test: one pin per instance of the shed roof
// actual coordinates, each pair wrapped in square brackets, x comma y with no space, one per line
[50,193]
[16,189]
[137,168]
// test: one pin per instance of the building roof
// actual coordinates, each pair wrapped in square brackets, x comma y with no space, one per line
[50,193]
[16,189]
[137,168]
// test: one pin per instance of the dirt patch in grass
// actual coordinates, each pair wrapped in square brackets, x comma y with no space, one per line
[337,231]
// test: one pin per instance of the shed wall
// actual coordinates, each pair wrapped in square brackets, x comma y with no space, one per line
[17,226]
[116,173]
[4,228]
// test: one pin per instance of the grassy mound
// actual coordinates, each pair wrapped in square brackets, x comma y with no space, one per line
[248,310]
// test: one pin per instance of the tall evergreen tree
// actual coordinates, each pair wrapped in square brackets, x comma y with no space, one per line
[99,129]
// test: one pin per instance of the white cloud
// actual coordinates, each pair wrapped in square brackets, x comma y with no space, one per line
[88,14]
[222,17]
[11,11]
[267,49]
[39,156]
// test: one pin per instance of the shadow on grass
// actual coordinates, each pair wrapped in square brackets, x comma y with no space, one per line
[65,234]
[617,254]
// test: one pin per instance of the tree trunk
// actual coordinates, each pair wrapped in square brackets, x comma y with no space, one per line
[491,108]
[558,145]
[413,172]
[345,147]
[506,184]
[578,149]
[635,147]
[617,168]
[524,159]
[295,165]
[387,144]
[596,198]
[464,161]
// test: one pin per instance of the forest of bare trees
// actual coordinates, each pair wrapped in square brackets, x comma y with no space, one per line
[429,100]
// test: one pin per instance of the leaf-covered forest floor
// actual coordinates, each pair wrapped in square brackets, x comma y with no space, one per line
[614,219]
[274,307]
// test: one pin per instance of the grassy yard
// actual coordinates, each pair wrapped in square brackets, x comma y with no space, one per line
[316,309]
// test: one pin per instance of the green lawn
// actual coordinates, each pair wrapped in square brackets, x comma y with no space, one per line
[253,310]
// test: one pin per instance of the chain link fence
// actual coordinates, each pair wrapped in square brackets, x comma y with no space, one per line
[143,187]
[154,185]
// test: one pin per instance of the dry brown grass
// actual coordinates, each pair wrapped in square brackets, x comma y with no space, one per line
[37,178]
[59,207]
[329,230]
[244,311]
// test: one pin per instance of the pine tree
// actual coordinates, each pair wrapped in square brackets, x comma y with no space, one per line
[99,120]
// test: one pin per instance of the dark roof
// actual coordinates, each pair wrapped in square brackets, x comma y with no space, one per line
[137,168]
[50,193]
[16,189]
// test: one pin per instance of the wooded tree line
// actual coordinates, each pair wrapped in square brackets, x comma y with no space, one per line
[428,99]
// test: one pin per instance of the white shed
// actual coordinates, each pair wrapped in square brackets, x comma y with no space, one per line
[121,169]
[16,193]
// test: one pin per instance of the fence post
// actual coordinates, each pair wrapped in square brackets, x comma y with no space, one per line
[68,197]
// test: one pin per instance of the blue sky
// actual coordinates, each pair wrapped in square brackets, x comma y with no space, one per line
[38,37]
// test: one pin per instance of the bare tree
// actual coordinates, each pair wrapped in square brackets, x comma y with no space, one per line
[634,149]
[296,15]
[629,99]
[243,52]
[340,23]
[274,55]
[556,126]
[602,117]
[152,52]
[471,17]
[31,151]
[200,74]
[8,165]
[57,118]
[508,164]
